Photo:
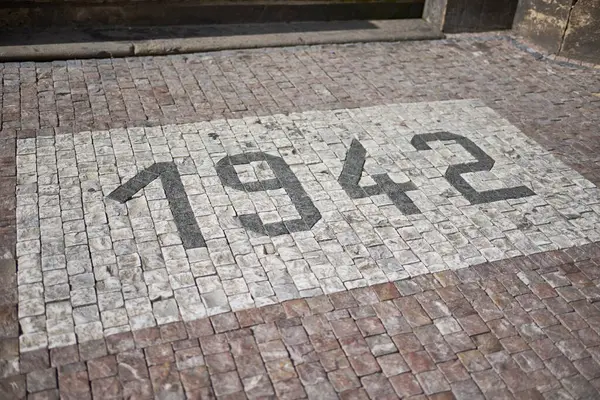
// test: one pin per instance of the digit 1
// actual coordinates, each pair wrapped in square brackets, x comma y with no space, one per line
[188,228]
[284,178]
[484,163]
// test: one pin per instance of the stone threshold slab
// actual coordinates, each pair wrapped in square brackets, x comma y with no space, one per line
[126,42]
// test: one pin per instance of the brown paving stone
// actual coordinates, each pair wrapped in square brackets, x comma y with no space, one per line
[296,308]
[573,349]
[407,343]
[386,291]
[250,365]
[354,394]
[266,332]
[194,378]
[226,383]
[74,385]
[354,345]
[316,324]
[362,312]
[588,367]
[322,390]
[189,358]
[173,332]
[185,344]
[214,344]
[473,325]
[392,364]
[412,311]
[289,389]
[120,342]
[159,354]
[341,300]
[428,334]
[63,355]
[273,350]
[501,361]
[543,318]
[165,380]
[334,359]
[131,366]
[528,361]
[545,349]
[440,351]
[34,360]
[473,360]
[338,314]
[381,345]
[243,345]
[408,287]
[311,373]
[319,304]
[294,335]
[41,379]
[378,386]
[544,381]
[370,326]
[579,387]
[557,333]
[488,381]
[13,387]
[466,390]
[343,379]
[515,380]
[561,367]
[419,361]
[92,349]
[102,367]
[52,394]
[144,337]
[220,362]
[344,327]
[433,382]
[406,385]
[280,370]
[248,318]
[224,322]
[460,341]
[199,328]
[487,343]
[364,364]
[138,389]
[107,388]
[258,387]
[365,295]
[514,344]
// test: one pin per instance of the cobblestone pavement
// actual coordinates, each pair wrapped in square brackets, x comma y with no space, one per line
[361,221]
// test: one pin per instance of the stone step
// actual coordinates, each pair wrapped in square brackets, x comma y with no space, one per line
[60,44]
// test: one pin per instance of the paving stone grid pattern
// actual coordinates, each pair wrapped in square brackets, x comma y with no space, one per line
[90,266]
[553,103]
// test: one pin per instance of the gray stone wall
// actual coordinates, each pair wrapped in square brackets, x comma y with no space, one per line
[569,28]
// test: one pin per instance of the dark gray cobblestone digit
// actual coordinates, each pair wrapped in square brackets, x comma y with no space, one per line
[176,196]
[483,163]
[352,172]
[284,179]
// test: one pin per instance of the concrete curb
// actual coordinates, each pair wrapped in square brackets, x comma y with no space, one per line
[224,38]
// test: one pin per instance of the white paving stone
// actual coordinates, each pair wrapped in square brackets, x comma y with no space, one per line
[90,266]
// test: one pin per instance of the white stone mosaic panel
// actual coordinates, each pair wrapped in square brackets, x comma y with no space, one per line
[90,265]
